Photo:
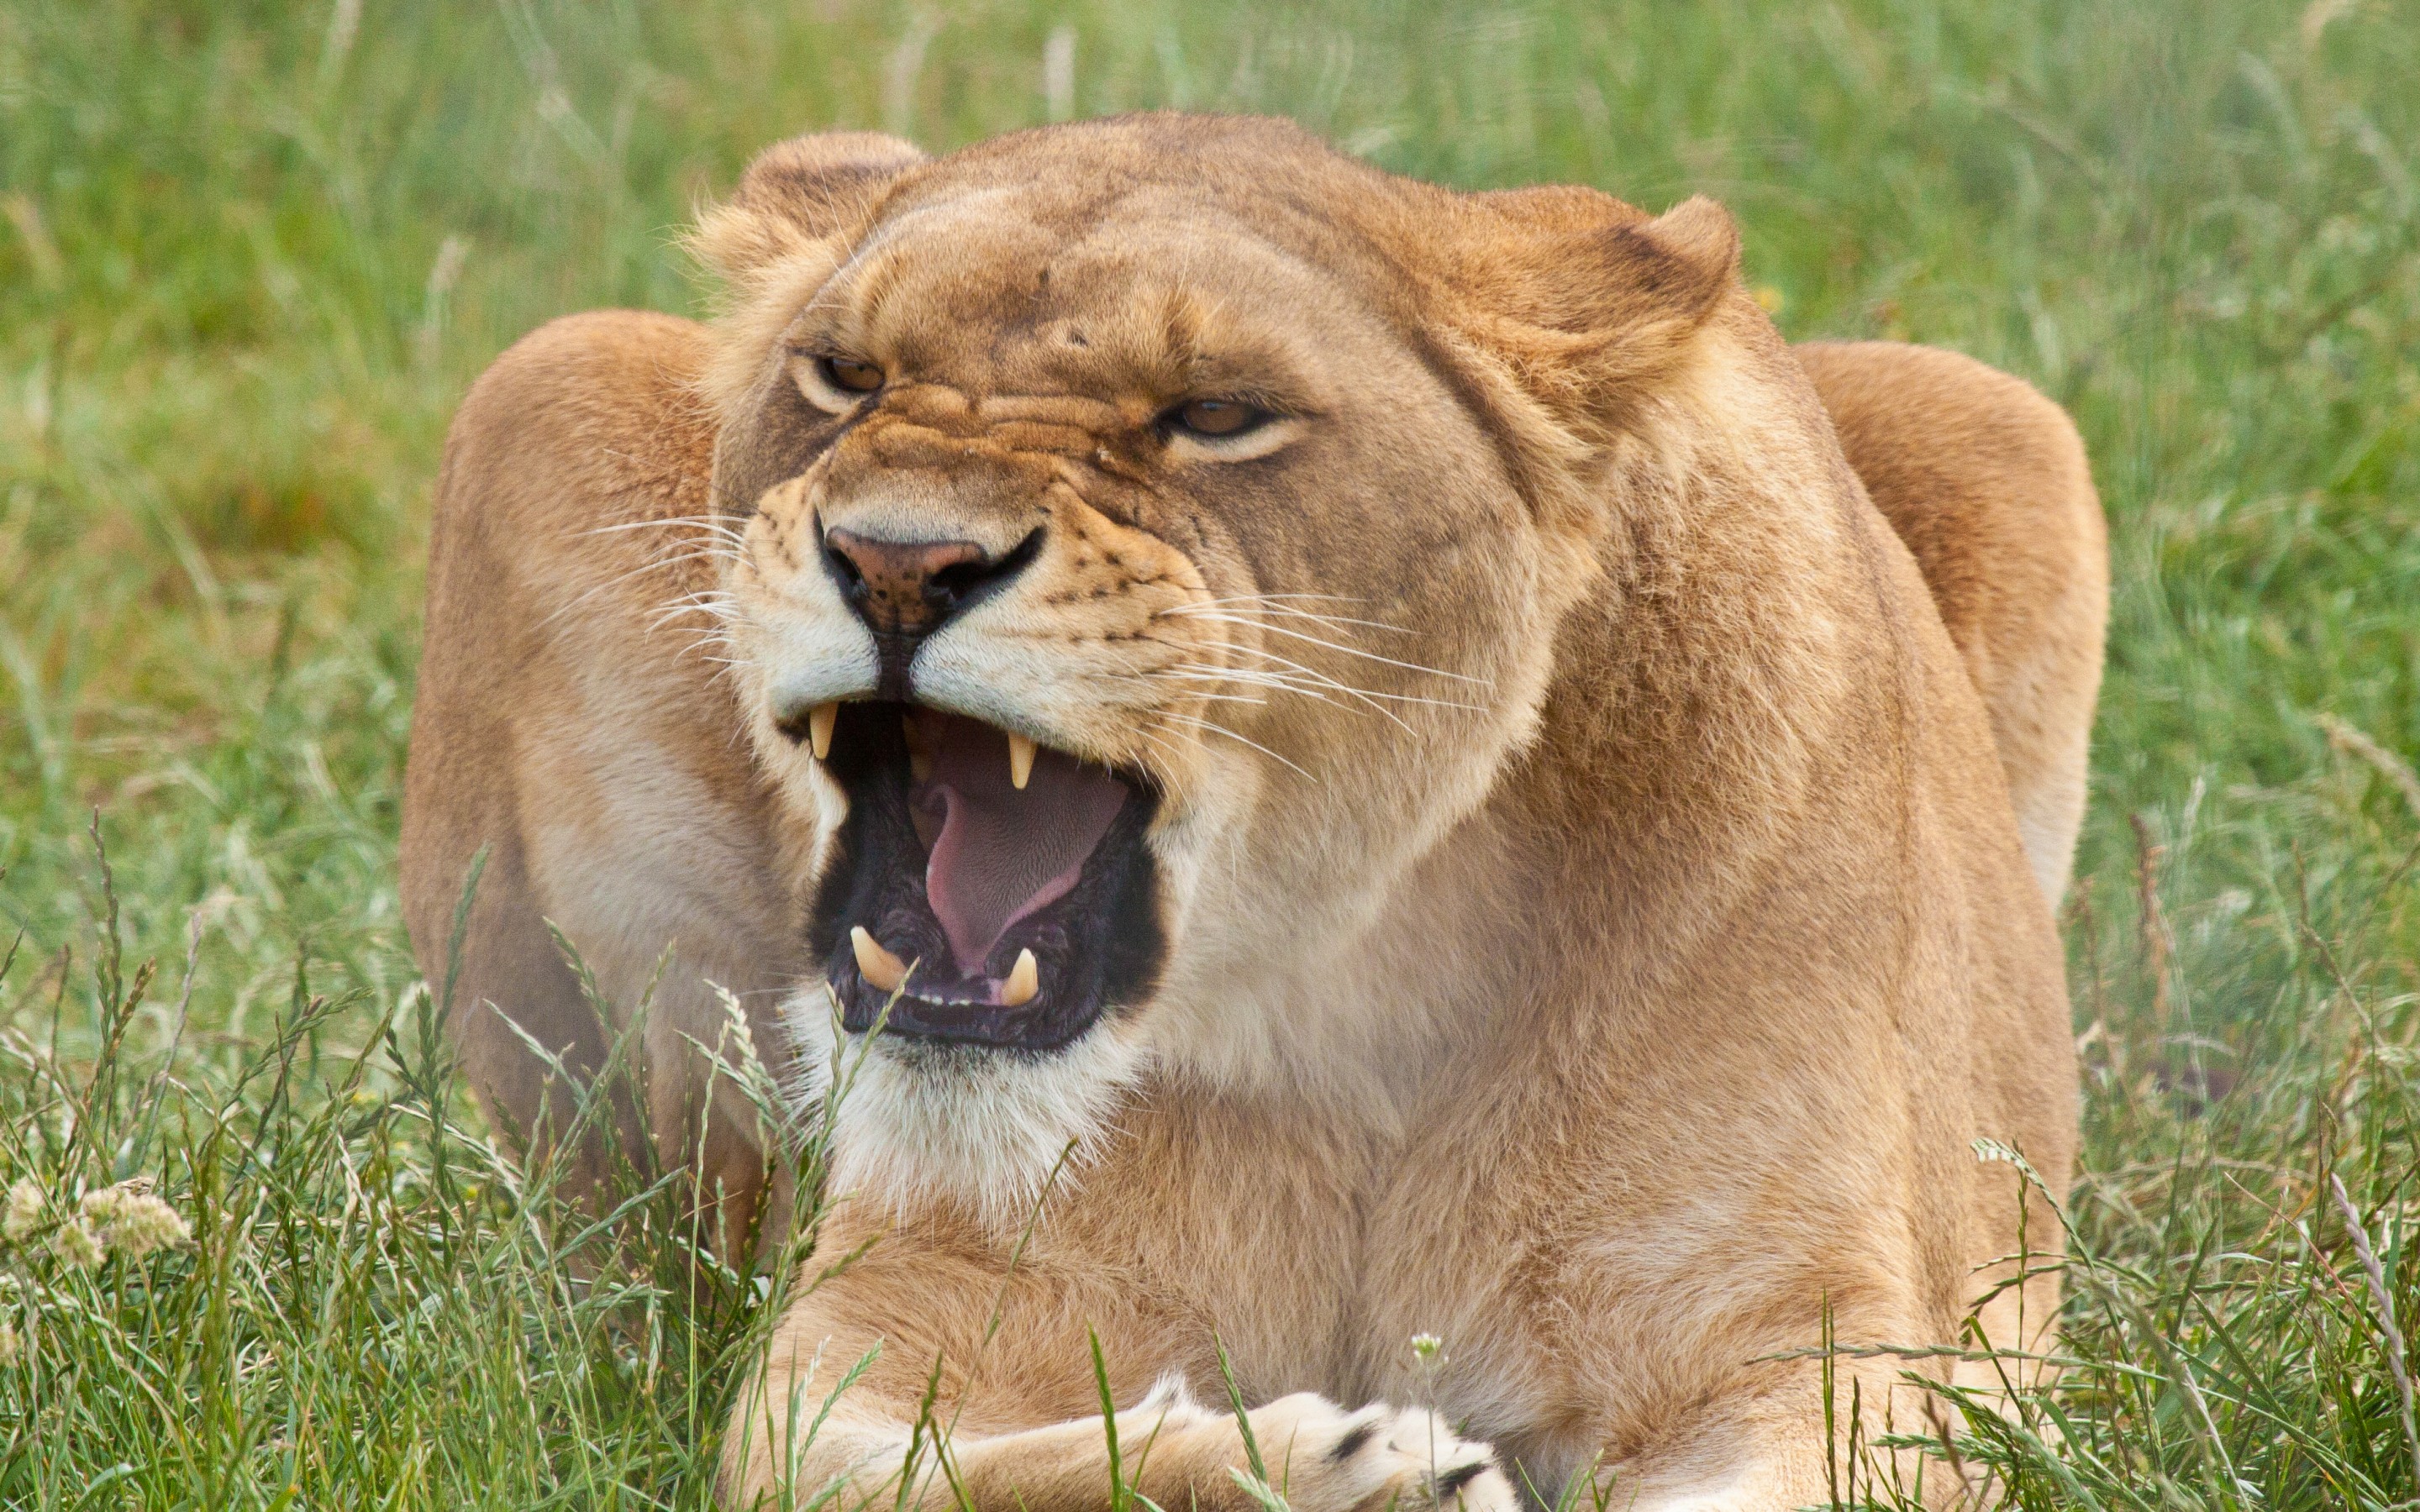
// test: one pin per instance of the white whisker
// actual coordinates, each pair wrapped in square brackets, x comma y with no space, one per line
[722,607]
[710,524]
[1261,677]
[658,564]
[1214,727]
[1320,679]
[1340,648]
[1270,598]
[1209,607]
[1161,768]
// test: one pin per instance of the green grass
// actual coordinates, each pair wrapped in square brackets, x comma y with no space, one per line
[251,256]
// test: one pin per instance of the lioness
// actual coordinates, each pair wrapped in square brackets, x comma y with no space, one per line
[1338,760]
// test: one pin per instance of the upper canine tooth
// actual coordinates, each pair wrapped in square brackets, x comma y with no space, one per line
[1024,981]
[1021,768]
[819,728]
[883,971]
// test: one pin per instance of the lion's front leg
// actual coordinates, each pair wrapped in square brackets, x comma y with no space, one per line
[851,1403]
[1178,1452]
[1169,1449]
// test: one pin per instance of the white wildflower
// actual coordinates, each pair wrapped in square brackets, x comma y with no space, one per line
[76,1244]
[134,1222]
[23,1210]
[1425,1347]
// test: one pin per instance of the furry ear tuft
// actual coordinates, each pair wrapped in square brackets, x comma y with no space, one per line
[798,195]
[1687,256]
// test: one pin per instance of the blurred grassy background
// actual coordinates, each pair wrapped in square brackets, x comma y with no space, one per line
[252,253]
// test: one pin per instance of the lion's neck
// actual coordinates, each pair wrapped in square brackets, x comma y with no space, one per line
[1719,728]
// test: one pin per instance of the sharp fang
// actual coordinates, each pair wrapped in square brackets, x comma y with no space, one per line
[882,971]
[1021,768]
[1024,981]
[819,728]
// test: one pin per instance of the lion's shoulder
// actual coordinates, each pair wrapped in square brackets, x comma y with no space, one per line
[603,402]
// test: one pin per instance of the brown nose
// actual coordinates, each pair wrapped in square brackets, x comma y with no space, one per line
[910,588]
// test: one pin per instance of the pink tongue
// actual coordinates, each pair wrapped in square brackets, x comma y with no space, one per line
[1002,853]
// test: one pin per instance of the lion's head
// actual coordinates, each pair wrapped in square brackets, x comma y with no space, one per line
[1161,528]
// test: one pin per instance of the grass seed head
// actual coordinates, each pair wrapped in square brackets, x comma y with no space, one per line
[23,1210]
[77,1246]
[133,1220]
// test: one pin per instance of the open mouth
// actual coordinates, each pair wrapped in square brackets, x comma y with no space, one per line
[986,889]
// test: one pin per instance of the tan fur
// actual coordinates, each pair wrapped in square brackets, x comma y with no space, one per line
[581,737]
[1986,481]
[1603,955]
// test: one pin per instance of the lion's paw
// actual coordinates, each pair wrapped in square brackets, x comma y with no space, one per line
[1324,1458]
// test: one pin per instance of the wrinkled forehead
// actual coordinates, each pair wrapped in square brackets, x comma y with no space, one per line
[1035,290]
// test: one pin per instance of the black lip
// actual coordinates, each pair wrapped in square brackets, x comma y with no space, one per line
[1100,947]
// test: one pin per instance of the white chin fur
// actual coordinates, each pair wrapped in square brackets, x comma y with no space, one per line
[918,1123]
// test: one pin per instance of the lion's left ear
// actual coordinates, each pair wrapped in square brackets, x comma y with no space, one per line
[797,194]
[1582,294]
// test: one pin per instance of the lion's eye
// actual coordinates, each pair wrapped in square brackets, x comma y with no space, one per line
[1217,417]
[849,375]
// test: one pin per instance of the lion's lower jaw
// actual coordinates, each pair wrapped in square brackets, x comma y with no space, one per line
[917,1123]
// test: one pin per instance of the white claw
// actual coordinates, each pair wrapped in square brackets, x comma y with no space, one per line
[882,971]
[1024,981]
[819,728]
[1020,763]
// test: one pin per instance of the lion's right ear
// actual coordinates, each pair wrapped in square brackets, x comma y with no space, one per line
[796,196]
[1584,297]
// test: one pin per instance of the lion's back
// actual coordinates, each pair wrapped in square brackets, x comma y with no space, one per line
[1986,481]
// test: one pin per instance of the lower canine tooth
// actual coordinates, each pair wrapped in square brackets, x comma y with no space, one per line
[1024,981]
[882,971]
[1020,768]
[819,728]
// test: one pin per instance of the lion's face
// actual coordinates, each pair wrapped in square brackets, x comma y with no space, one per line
[1153,577]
